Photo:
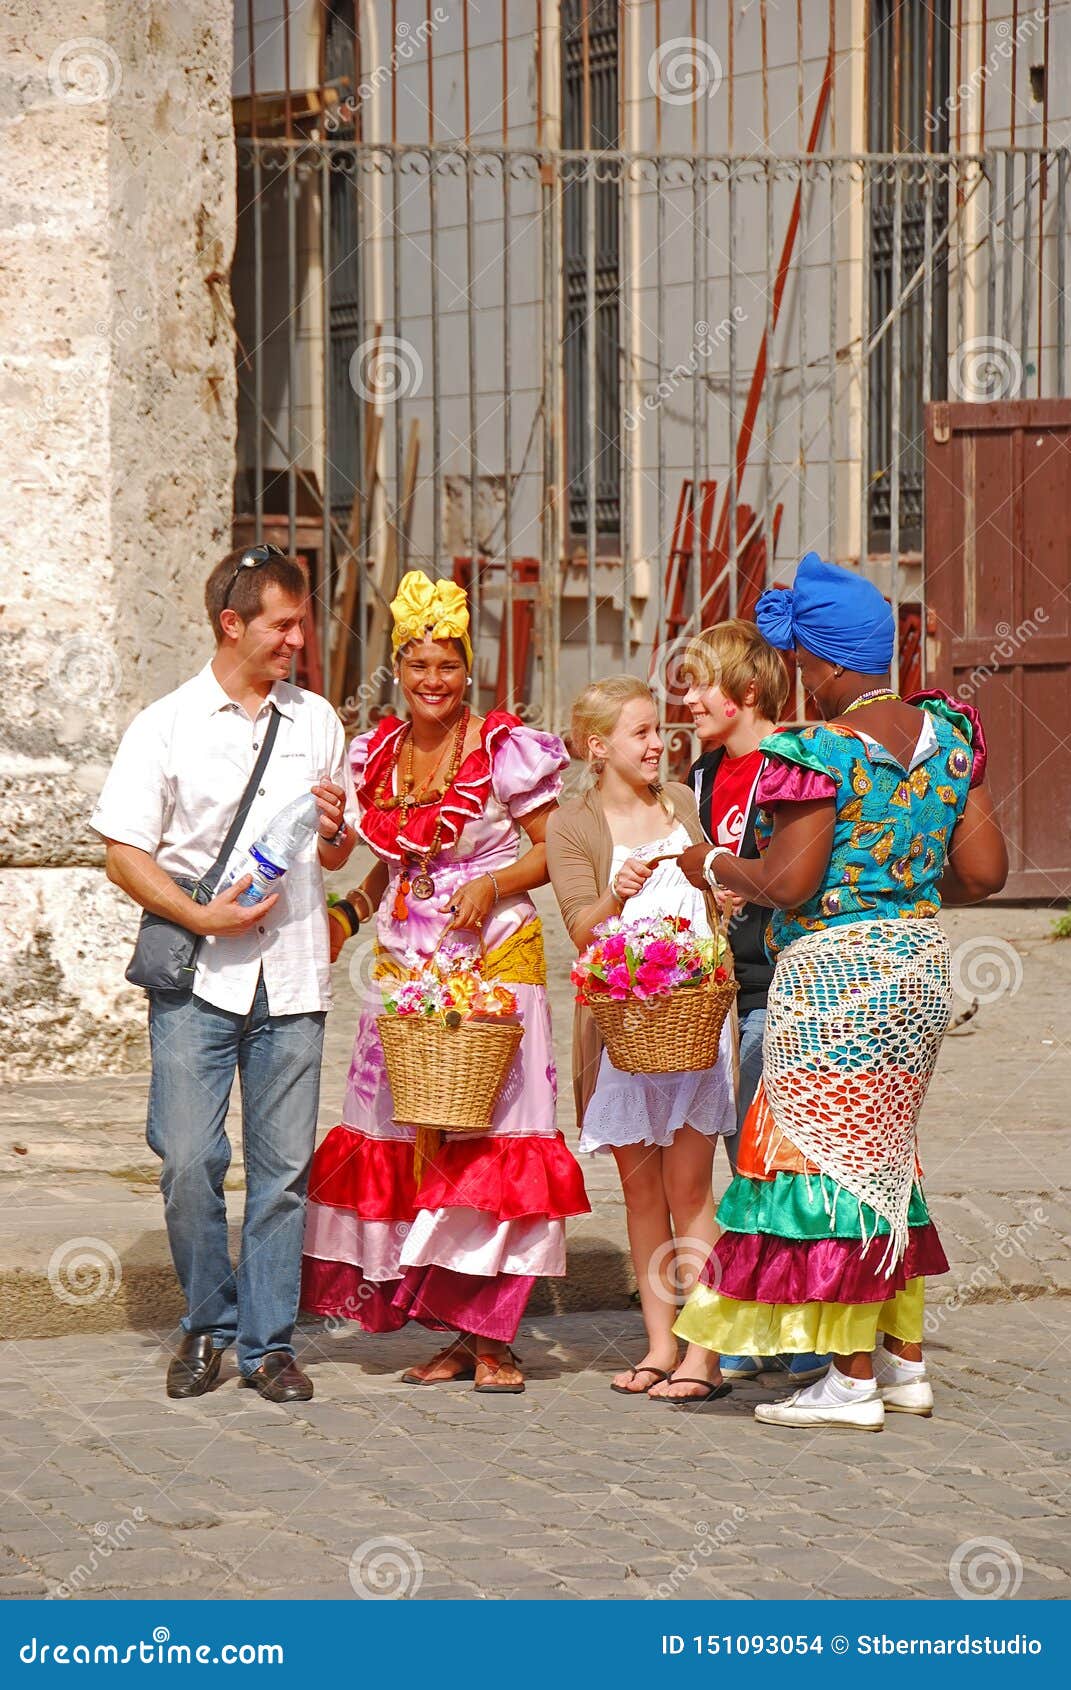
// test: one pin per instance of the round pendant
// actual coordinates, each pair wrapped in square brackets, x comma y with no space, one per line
[422,885]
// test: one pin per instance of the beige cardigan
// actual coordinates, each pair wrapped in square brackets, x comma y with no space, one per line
[579,853]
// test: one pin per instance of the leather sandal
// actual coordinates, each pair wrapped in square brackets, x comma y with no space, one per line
[491,1366]
[459,1352]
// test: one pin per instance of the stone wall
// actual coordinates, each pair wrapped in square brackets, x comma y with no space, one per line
[118,393]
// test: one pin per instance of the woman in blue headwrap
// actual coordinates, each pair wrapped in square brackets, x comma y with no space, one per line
[870,820]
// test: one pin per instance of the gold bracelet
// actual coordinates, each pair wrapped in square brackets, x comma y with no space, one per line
[359,892]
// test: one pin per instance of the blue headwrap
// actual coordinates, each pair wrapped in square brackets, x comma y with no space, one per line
[831,612]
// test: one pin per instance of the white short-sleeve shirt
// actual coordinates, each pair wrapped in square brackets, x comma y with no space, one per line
[173,789]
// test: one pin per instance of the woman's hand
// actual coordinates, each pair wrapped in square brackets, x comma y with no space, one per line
[471,904]
[630,878]
[690,863]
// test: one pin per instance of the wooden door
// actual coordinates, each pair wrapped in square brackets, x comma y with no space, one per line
[997,561]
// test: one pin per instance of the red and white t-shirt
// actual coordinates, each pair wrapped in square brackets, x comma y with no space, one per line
[732,797]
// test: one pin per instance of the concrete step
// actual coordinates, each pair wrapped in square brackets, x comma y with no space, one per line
[92,1256]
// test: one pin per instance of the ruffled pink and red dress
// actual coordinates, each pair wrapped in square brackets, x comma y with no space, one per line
[461,1248]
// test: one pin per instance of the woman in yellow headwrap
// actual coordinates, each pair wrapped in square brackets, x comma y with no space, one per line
[458,1242]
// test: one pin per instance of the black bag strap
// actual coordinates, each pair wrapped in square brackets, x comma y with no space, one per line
[210,879]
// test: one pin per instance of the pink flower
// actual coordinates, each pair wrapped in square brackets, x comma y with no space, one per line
[661,953]
[613,947]
[652,981]
[619,981]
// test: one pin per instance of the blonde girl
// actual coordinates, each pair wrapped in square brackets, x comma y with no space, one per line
[660,1129]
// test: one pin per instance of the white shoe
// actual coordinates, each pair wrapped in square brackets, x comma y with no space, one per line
[866,1416]
[916,1397]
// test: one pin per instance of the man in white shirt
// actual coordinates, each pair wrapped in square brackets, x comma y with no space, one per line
[261,987]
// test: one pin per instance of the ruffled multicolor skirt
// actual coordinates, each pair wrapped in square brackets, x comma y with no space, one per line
[460,1247]
[804,1265]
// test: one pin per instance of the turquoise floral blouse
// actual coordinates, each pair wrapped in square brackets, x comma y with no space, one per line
[893,824]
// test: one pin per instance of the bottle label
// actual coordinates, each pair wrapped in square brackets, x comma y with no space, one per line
[265,868]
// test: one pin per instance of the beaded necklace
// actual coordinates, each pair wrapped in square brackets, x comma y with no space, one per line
[421,884]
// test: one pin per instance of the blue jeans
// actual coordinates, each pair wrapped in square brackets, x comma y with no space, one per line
[196,1049]
[752,1028]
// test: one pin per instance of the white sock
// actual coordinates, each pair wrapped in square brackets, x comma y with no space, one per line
[890,1369]
[837,1388]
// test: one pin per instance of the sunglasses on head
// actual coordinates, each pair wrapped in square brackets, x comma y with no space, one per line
[252,559]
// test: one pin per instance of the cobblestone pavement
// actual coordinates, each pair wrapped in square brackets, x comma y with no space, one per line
[568,1491]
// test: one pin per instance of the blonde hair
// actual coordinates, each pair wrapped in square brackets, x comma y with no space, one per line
[596,713]
[734,655]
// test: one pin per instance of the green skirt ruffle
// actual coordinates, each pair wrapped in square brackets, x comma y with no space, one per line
[797,1206]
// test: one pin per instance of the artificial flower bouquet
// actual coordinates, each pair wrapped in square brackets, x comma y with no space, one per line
[452,990]
[659,992]
[449,1038]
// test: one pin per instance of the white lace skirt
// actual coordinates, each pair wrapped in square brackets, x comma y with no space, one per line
[652,1108]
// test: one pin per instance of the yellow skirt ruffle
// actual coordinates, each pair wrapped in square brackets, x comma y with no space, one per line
[765,1329]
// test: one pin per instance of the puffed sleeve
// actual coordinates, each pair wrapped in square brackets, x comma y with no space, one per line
[358,760]
[962,716]
[795,771]
[527,770]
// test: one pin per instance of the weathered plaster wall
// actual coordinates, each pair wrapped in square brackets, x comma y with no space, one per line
[118,408]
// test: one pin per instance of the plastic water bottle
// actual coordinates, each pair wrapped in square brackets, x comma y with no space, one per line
[269,857]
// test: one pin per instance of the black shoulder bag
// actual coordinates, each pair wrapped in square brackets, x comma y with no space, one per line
[165,954]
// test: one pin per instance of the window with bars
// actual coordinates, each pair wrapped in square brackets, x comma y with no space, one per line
[589,80]
[907,112]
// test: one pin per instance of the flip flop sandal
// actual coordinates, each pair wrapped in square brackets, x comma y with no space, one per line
[468,1371]
[712,1394]
[634,1372]
[494,1363]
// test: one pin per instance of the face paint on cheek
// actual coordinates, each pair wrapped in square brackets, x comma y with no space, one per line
[730,710]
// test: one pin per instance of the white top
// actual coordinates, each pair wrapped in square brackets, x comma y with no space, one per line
[176,781]
[667,892]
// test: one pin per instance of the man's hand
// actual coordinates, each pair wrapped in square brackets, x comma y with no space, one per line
[331,803]
[225,917]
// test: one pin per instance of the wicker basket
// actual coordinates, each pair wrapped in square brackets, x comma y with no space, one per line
[447,1077]
[673,1035]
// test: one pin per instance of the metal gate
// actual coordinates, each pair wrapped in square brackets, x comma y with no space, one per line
[998,590]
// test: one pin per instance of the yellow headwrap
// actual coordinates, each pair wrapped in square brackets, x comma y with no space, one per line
[438,608]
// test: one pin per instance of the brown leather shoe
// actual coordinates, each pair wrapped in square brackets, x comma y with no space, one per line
[280,1379]
[194,1368]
